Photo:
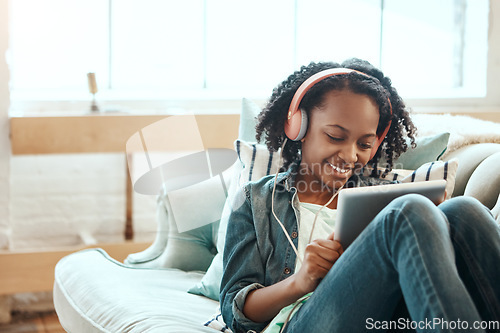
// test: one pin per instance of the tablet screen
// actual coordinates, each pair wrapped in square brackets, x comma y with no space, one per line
[358,206]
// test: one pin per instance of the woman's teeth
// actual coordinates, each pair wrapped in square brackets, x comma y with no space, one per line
[337,169]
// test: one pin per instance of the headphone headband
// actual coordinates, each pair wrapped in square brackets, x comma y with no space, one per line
[311,81]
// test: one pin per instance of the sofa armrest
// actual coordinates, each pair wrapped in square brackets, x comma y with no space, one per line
[484,183]
[469,158]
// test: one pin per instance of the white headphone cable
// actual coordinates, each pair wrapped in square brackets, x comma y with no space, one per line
[272,203]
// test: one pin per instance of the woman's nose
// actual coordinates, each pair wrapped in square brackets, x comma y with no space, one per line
[349,154]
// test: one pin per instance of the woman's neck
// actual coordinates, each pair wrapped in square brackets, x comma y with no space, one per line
[310,191]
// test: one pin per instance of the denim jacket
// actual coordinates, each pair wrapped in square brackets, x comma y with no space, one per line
[257,252]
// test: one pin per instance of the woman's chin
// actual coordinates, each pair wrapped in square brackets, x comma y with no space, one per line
[336,183]
[337,176]
[341,176]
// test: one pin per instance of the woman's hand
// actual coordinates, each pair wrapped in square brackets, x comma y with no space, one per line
[263,304]
[319,257]
[440,201]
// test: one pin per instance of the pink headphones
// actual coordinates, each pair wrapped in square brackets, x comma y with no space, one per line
[296,124]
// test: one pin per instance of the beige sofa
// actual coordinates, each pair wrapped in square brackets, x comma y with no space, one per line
[94,293]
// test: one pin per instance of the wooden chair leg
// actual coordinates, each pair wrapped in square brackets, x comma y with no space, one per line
[129,228]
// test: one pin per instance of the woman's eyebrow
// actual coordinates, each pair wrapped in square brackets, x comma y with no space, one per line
[339,127]
[347,131]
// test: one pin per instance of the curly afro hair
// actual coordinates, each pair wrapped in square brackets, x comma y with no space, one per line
[271,120]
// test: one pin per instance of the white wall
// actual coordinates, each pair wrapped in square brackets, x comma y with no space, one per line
[57,198]
[61,200]
[4,129]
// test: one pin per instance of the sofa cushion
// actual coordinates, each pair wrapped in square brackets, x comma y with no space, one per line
[88,297]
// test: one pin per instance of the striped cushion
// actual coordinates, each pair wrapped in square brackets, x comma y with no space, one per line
[217,322]
[436,170]
[256,160]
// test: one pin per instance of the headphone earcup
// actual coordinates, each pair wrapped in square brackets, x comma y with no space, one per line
[296,126]
[381,137]
[303,125]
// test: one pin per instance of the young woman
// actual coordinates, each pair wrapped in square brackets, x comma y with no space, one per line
[416,265]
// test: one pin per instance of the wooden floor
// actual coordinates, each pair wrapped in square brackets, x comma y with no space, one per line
[33,323]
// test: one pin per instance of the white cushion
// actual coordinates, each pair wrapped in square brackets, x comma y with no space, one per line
[94,293]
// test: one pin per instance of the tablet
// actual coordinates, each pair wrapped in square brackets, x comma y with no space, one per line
[356,207]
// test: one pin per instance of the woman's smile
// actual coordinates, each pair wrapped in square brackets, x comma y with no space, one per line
[337,172]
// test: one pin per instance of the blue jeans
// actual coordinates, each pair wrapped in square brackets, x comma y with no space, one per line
[442,263]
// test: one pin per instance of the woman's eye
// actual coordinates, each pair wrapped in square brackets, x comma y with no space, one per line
[365,145]
[334,138]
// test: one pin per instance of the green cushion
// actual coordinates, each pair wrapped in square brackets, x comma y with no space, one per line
[428,149]
[209,285]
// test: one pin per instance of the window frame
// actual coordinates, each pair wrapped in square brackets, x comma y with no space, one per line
[213,101]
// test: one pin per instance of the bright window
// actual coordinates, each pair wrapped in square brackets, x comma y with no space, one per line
[158,49]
